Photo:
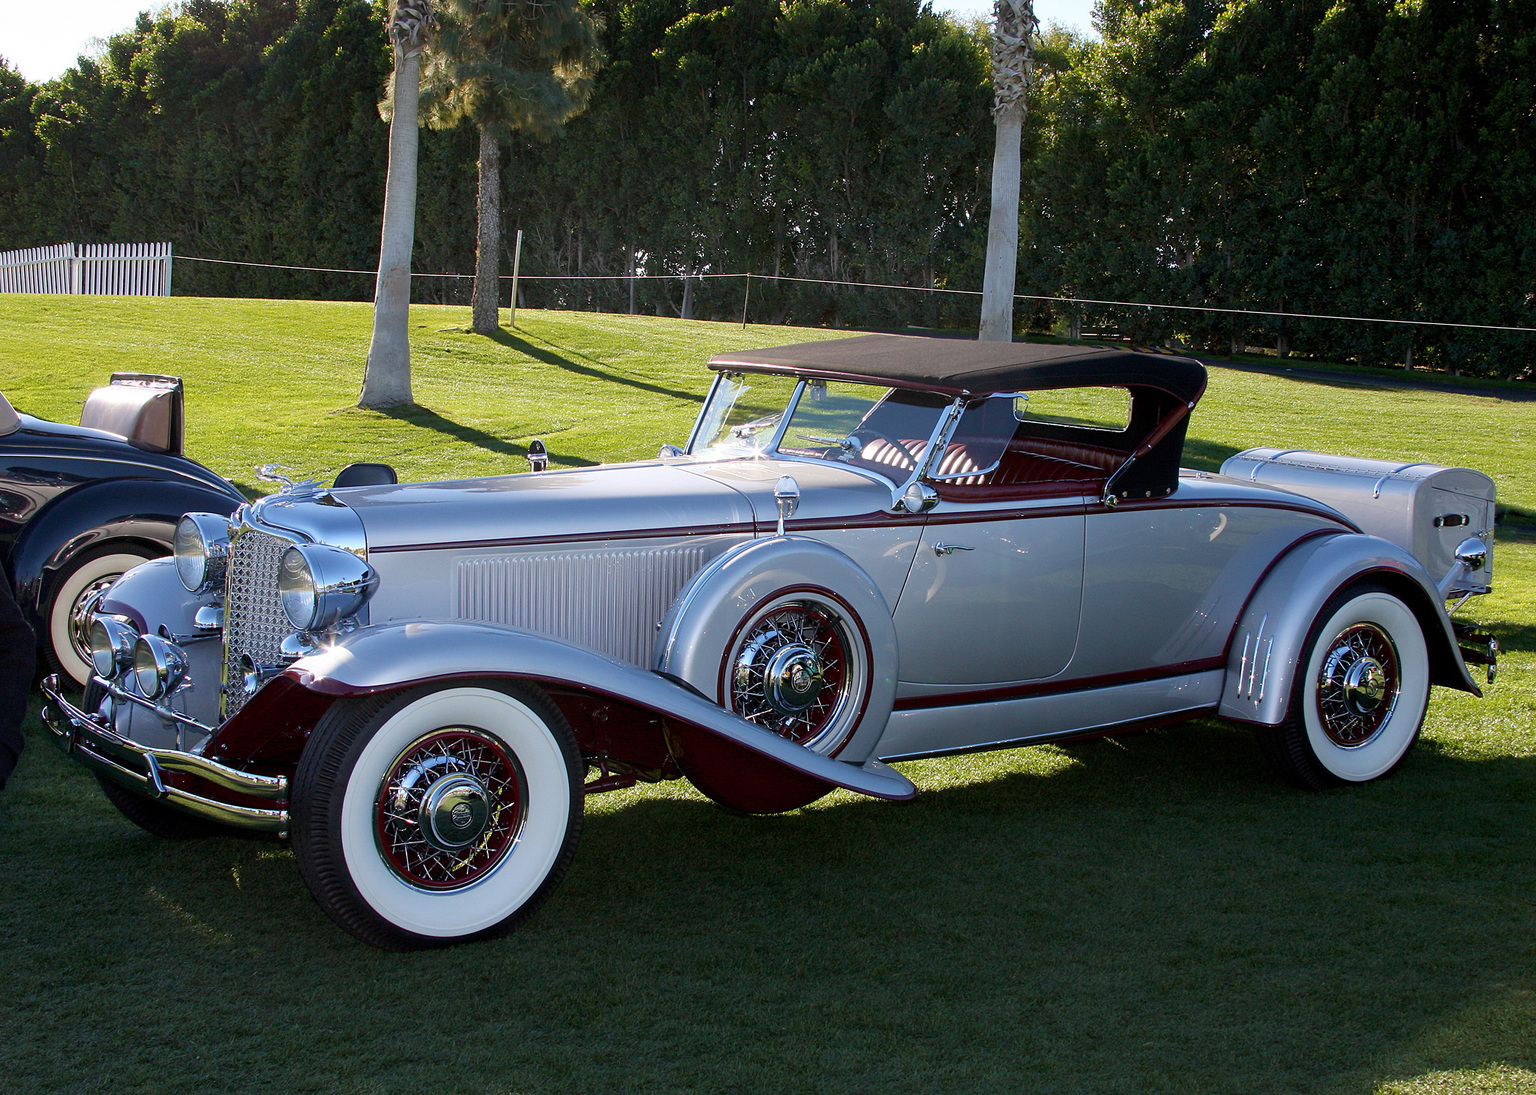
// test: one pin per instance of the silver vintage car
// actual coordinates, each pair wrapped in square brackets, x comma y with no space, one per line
[870,550]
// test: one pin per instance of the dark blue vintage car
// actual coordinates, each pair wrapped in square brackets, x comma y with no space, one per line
[79,505]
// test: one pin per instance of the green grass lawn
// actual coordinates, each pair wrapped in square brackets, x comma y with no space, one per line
[1150,913]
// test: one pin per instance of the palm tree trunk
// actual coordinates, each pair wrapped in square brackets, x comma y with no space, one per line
[1013,64]
[1002,231]
[387,376]
[488,237]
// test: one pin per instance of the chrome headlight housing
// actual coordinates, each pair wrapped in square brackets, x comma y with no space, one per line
[111,645]
[201,547]
[158,666]
[320,585]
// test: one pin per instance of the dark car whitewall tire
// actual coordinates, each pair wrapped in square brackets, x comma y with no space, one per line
[1360,694]
[78,583]
[441,814]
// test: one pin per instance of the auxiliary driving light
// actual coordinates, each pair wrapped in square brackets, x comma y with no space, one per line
[158,666]
[111,645]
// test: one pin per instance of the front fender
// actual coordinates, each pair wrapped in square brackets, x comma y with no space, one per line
[1266,645]
[393,656]
[111,511]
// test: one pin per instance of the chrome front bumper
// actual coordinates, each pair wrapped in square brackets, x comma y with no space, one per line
[142,769]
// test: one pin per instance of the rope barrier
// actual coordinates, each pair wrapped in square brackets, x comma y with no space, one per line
[909,289]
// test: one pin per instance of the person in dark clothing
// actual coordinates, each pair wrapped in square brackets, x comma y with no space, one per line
[18,651]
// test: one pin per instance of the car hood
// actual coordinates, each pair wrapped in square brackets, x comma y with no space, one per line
[579,504]
[681,496]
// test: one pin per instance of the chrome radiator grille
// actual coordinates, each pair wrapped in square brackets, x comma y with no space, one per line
[605,599]
[254,622]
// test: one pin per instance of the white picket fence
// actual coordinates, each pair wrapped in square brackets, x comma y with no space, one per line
[107,269]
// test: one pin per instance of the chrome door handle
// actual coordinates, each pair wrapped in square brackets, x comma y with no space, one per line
[942,548]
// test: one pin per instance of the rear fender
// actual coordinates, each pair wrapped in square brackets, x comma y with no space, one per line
[386,658]
[1266,645]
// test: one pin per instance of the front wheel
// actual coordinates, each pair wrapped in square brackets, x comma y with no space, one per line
[68,609]
[437,815]
[1361,691]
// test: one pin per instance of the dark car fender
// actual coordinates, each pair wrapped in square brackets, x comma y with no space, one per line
[1266,645]
[141,512]
[386,658]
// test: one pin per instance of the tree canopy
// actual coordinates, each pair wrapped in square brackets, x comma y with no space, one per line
[1354,157]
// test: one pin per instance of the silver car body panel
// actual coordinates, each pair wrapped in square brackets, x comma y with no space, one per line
[1267,644]
[961,727]
[1002,583]
[384,658]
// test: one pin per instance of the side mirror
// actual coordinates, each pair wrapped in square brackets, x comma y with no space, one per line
[668,450]
[538,455]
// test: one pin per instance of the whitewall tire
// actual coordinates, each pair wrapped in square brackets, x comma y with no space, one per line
[438,815]
[1361,691]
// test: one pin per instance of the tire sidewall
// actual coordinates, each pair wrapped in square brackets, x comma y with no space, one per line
[1386,750]
[528,870]
[76,576]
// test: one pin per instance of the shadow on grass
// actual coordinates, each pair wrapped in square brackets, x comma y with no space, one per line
[1206,455]
[551,354]
[1375,380]
[426,418]
[1154,912]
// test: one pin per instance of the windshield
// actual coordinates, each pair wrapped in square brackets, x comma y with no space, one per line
[864,425]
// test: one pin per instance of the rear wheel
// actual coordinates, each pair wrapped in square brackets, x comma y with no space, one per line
[1360,695]
[438,815]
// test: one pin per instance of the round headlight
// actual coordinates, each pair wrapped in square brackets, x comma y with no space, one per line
[158,666]
[320,585]
[201,547]
[111,643]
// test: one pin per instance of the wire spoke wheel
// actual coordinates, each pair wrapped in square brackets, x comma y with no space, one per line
[798,670]
[1360,693]
[1358,687]
[439,814]
[450,808]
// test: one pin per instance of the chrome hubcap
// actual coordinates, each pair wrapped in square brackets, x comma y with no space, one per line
[1357,687]
[454,812]
[81,614]
[794,679]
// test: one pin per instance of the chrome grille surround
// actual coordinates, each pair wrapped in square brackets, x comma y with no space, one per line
[254,621]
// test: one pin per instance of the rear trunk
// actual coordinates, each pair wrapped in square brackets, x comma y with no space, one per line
[1426,508]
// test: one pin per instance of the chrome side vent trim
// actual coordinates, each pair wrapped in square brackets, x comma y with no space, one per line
[605,599]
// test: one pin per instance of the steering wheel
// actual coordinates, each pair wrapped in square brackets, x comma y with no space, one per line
[881,435]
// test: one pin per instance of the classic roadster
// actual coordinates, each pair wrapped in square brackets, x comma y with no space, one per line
[870,549]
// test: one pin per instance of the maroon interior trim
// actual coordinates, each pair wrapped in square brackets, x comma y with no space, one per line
[1046,688]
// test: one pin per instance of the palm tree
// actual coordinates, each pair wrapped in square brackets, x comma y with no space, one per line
[1013,64]
[506,66]
[387,378]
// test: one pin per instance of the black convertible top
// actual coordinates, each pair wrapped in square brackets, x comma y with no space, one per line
[962,367]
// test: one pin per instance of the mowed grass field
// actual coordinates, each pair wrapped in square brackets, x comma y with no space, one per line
[1150,913]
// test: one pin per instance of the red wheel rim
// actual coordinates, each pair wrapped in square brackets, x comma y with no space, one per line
[450,809]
